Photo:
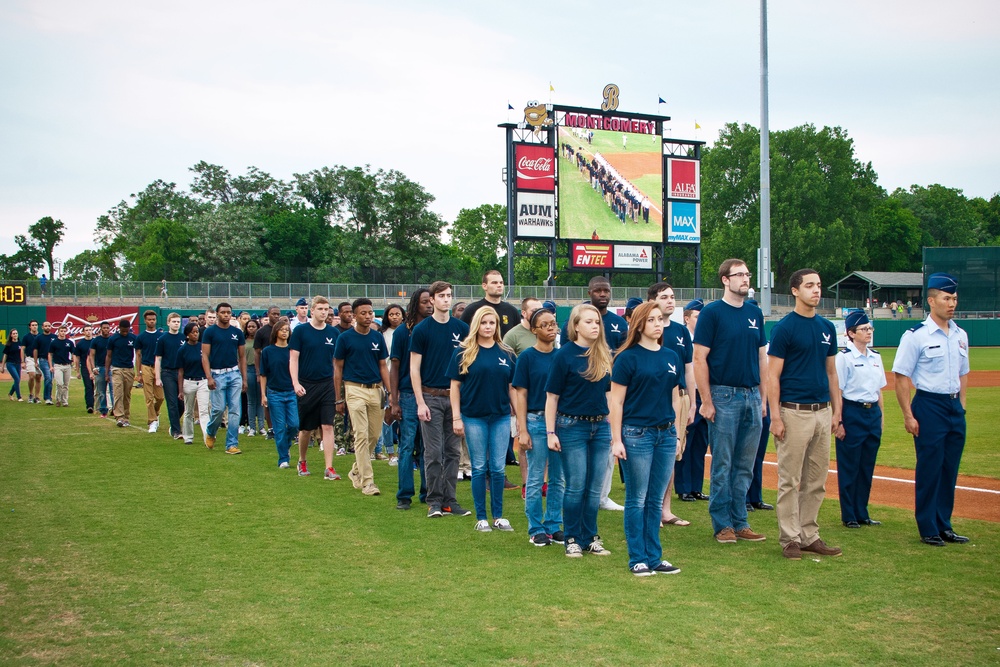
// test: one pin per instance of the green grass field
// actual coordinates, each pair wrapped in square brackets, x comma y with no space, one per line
[582,210]
[980,358]
[121,547]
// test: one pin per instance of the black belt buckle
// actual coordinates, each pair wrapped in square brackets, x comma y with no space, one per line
[665,427]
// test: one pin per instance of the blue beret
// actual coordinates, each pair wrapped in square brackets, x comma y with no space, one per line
[301,302]
[549,306]
[633,303]
[855,318]
[697,304]
[942,281]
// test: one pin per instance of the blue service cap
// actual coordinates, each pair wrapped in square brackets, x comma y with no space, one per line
[856,318]
[942,281]
[696,304]
[336,312]
[633,303]
[549,306]
[301,302]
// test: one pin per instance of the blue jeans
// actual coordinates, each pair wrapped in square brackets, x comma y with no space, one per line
[734,435]
[585,450]
[487,441]
[43,366]
[14,371]
[385,442]
[284,409]
[255,411]
[408,430]
[539,457]
[104,392]
[648,464]
[168,377]
[228,387]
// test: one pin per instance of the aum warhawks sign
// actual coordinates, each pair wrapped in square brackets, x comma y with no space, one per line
[536,215]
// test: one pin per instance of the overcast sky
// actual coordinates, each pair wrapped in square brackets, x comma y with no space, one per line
[98,99]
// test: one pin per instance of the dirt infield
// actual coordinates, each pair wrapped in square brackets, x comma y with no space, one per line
[976,379]
[634,165]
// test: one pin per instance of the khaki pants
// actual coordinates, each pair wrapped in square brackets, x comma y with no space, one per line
[152,394]
[196,402]
[803,464]
[682,426]
[62,373]
[365,406]
[121,387]
[464,462]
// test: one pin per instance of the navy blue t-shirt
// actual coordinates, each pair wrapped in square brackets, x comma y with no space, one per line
[274,362]
[62,351]
[100,348]
[734,336]
[531,372]
[485,389]
[401,355]
[436,342]
[146,342]
[189,358]
[650,378]
[122,350]
[577,395]
[43,342]
[82,350]
[226,343]
[28,343]
[167,347]
[677,338]
[13,352]
[615,330]
[361,354]
[804,343]
[315,348]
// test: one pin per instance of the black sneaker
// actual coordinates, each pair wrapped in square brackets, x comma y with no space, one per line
[434,512]
[270,434]
[90,411]
[666,568]
[455,510]
[558,537]
[403,505]
[540,540]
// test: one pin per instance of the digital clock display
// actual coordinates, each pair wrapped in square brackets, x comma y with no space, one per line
[13,295]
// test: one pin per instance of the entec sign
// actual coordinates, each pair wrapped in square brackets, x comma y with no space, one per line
[591,255]
[535,166]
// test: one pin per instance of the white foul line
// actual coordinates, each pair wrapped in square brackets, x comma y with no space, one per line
[908,481]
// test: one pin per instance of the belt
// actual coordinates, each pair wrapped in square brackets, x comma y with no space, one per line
[434,391]
[862,404]
[934,393]
[363,385]
[806,407]
[225,370]
[664,427]
[148,365]
[584,418]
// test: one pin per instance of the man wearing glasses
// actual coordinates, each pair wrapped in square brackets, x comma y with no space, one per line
[730,369]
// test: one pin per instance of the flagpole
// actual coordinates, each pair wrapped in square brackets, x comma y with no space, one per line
[764,265]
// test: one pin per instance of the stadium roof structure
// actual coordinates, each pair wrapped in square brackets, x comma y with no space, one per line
[873,281]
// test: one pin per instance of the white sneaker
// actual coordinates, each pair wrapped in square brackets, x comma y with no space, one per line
[154,427]
[394,461]
[642,570]
[504,525]
[573,550]
[251,433]
[609,504]
[320,445]
[283,465]
[340,452]
[484,526]
[243,429]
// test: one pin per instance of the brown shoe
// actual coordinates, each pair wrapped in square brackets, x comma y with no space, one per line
[749,535]
[792,551]
[820,547]
[726,536]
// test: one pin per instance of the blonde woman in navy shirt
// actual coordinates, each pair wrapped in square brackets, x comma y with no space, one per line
[481,371]
[576,425]
[645,400]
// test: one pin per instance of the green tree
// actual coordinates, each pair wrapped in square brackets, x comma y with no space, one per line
[893,238]
[988,213]
[90,265]
[46,235]
[481,235]
[945,214]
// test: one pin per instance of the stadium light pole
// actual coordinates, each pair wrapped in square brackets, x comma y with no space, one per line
[764,264]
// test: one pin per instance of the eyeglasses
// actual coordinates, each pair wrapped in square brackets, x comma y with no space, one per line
[741,274]
[865,329]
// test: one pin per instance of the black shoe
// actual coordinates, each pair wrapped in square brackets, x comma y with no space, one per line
[456,510]
[687,497]
[750,507]
[512,462]
[851,524]
[950,536]
[403,505]
[558,537]
[762,506]
[698,495]
[90,411]
[870,522]
[934,541]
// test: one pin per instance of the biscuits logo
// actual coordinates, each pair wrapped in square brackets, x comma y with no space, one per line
[536,115]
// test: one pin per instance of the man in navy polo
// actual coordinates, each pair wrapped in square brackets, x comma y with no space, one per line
[42,344]
[102,381]
[804,394]
[310,365]
[85,368]
[31,363]
[359,366]
[730,368]
[225,365]
[165,367]
[690,468]
[152,392]
[432,344]
[119,365]
[933,358]
[61,361]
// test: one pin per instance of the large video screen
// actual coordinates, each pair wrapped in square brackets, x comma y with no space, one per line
[610,184]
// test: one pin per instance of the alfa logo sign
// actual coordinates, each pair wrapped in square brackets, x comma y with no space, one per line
[684,177]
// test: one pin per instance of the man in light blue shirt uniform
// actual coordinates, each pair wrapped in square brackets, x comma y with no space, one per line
[933,358]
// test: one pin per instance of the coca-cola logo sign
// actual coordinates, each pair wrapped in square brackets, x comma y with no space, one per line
[536,169]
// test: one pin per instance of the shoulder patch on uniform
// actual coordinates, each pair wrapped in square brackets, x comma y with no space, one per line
[916,327]
[871,349]
[844,350]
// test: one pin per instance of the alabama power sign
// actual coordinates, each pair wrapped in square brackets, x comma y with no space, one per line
[535,167]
